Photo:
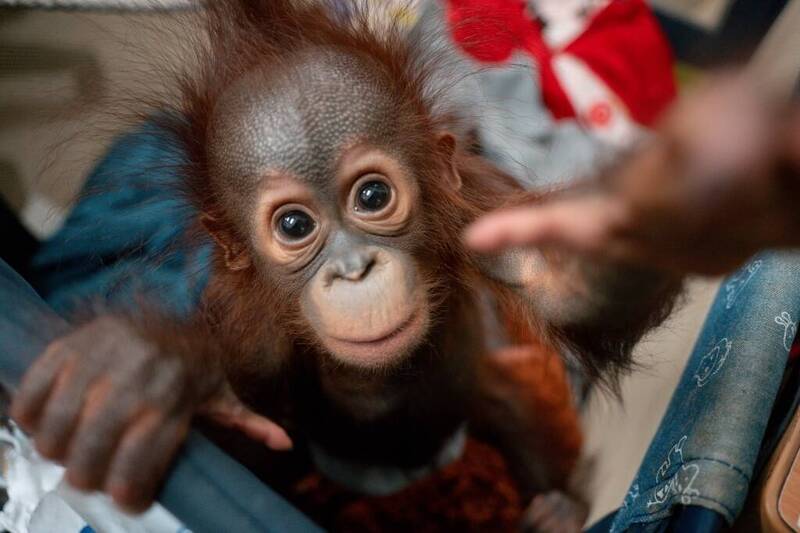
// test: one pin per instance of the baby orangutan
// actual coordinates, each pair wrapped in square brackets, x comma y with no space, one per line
[342,303]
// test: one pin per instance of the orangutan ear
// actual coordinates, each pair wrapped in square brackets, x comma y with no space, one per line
[236,255]
[446,145]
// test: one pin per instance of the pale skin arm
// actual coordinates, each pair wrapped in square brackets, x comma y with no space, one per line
[719,182]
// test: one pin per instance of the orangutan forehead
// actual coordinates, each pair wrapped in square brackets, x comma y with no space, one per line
[297,120]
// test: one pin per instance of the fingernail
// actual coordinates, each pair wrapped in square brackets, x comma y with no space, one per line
[19,416]
[79,480]
[280,441]
[473,234]
[46,448]
[127,497]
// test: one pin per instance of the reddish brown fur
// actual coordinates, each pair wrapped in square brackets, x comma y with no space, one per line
[257,315]
[261,34]
[251,321]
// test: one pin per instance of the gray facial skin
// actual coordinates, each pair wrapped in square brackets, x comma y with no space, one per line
[359,293]
[297,120]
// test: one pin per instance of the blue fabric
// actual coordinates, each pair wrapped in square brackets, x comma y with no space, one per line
[602,525]
[127,234]
[708,441]
[27,324]
[689,519]
[695,519]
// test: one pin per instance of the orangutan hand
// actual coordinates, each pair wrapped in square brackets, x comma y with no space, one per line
[114,409]
[719,182]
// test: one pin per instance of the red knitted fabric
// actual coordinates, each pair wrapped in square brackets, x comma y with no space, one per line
[477,492]
[622,44]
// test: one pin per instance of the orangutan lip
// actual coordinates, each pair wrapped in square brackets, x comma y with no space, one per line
[394,333]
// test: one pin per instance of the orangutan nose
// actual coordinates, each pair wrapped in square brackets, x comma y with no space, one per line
[352,266]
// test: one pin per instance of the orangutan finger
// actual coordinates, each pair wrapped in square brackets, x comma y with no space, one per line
[104,420]
[142,459]
[35,387]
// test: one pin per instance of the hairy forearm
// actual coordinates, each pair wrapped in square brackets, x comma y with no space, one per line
[603,295]
[602,325]
[596,310]
[572,290]
[191,342]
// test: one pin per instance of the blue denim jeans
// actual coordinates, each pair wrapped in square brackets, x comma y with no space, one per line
[706,446]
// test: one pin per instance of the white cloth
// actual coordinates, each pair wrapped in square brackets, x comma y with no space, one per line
[40,501]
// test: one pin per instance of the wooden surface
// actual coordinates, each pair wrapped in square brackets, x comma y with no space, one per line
[789,499]
[780,497]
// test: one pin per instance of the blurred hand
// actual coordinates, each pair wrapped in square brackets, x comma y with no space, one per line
[719,181]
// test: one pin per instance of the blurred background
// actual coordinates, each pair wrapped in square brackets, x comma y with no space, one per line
[64,72]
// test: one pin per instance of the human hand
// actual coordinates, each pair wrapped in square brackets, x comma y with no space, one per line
[719,182]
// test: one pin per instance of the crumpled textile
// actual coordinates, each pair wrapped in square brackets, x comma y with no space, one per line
[552,89]
[39,501]
[618,41]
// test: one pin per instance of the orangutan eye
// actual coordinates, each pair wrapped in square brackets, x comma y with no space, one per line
[373,196]
[296,224]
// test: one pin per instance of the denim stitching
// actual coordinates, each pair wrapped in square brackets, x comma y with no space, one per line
[732,467]
[725,463]
[655,516]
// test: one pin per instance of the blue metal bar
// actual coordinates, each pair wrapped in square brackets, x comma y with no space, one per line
[206,489]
